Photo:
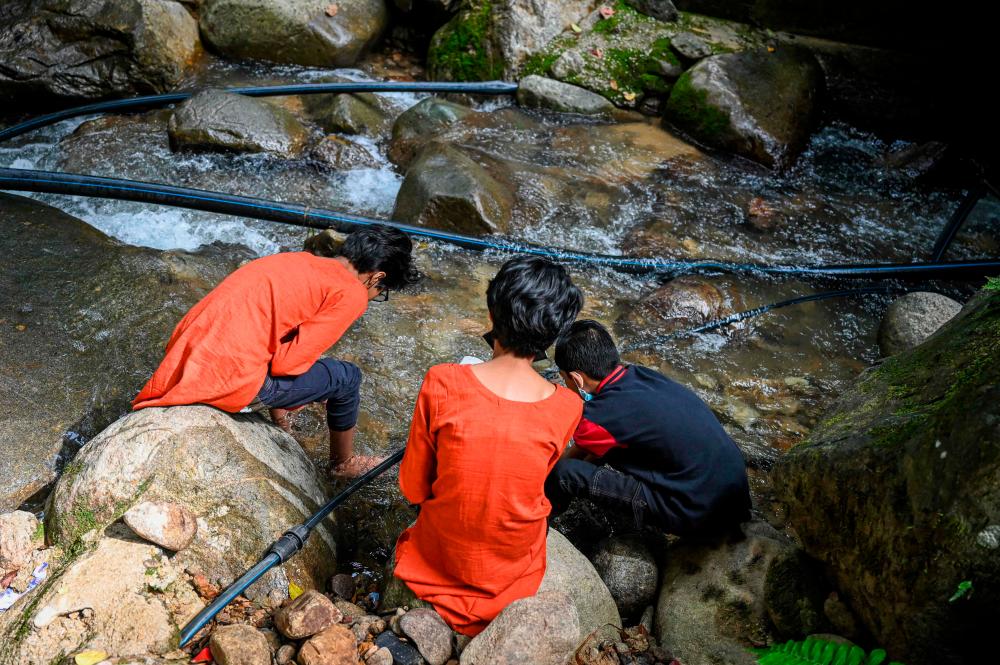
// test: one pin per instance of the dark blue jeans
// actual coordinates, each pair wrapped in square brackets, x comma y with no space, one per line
[336,382]
[606,487]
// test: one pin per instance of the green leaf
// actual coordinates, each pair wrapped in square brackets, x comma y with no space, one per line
[964,588]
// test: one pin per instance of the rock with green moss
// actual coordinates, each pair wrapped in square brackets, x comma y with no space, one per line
[221,121]
[711,604]
[629,55]
[760,104]
[491,39]
[302,32]
[897,491]
[243,478]
[70,294]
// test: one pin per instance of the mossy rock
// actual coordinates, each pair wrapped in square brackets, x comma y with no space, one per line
[760,104]
[491,39]
[628,55]
[897,491]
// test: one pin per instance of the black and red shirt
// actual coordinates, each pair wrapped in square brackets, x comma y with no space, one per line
[643,424]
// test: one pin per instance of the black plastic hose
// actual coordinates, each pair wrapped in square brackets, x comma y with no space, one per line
[317,218]
[283,549]
[956,221]
[157,101]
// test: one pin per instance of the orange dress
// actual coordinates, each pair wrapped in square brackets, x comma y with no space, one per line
[278,314]
[476,465]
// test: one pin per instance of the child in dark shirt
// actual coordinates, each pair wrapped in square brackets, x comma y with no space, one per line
[646,445]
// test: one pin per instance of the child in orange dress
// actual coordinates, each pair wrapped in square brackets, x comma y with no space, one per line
[483,439]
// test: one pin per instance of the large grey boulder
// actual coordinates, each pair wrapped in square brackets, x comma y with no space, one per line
[77,348]
[444,188]
[245,479]
[221,121]
[540,92]
[74,50]
[912,318]
[711,605]
[420,123]
[569,571]
[491,39]
[897,492]
[302,32]
[541,629]
[759,104]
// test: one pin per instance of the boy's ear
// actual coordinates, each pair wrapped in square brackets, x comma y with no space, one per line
[577,379]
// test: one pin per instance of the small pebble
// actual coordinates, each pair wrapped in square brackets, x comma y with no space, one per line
[285,654]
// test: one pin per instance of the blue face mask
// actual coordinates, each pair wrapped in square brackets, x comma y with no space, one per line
[585,395]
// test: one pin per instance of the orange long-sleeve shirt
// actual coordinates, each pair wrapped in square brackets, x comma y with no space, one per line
[277,314]
[476,464]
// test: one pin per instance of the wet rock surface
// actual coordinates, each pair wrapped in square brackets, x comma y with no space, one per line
[80,312]
[759,104]
[303,32]
[59,51]
[896,491]
[913,318]
[215,120]
[418,124]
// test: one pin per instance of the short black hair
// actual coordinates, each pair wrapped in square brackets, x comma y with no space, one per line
[381,248]
[587,347]
[532,301]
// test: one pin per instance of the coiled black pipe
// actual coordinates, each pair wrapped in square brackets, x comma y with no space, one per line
[157,101]
[317,218]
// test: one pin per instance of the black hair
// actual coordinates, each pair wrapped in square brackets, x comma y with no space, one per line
[381,248]
[532,301]
[587,347]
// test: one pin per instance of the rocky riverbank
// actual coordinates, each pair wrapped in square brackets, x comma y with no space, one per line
[638,130]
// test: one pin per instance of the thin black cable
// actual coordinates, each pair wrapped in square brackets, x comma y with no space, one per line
[956,221]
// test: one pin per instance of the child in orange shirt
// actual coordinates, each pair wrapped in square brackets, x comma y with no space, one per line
[483,439]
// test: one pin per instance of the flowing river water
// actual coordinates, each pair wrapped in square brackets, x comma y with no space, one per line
[769,379]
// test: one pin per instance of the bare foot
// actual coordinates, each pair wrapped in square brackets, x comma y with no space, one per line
[354,466]
[282,418]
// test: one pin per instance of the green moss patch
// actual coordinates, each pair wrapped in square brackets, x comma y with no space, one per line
[461,49]
[688,107]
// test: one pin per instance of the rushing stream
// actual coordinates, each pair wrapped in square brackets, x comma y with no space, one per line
[769,379]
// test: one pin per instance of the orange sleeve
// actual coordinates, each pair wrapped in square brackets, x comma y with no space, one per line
[316,335]
[569,435]
[419,466]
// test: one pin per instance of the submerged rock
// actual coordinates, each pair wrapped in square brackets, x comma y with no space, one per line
[302,32]
[680,303]
[711,603]
[340,154]
[540,92]
[490,39]
[542,630]
[52,49]
[216,120]
[758,104]
[246,479]
[361,113]
[912,318]
[79,308]
[897,492]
